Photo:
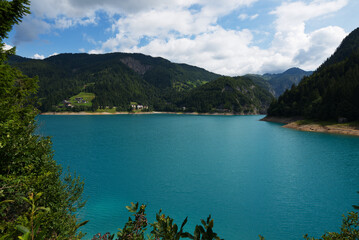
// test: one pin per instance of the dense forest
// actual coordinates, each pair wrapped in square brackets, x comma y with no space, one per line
[226,94]
[118,79]
[331,93]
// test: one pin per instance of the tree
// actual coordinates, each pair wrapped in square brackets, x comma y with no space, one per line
[27,167]
[11,12]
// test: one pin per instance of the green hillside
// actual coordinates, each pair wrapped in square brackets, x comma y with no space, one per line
[117,79]
[226,94]
[331,93]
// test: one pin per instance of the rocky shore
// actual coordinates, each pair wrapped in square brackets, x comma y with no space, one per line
[296,123]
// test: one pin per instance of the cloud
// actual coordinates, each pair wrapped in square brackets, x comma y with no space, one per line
[244,16]
[89,39]
[38,56]
[29,30]
[87,8]
[54,54]
[7,47]
[222,51]
[291,38]
[188,31]
[322,43]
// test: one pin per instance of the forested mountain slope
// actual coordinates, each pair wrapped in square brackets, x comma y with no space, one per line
[226,94]
[119,79]
[115,78]
[332,92]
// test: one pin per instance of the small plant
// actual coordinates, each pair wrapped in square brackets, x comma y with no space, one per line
[33,220]
[134,229]
[162,229]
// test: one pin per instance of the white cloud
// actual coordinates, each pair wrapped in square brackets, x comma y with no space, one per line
[188,31]
[244,16]
[54,54]
[198,40]
[64,22]
[322,43]
[291,38]
[7,47]
[38,56]
[254,16]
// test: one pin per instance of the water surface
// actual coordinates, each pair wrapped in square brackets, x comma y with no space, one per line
[253,177]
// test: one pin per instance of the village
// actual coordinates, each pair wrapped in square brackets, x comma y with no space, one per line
[69,104]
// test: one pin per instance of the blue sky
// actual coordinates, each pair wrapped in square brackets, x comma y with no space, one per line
[230,37]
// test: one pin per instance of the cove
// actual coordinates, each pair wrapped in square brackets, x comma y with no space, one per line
[253,177]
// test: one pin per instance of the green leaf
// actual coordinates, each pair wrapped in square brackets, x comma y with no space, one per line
[184,223]
[26,200]
[22,229]
[38,195]
[46,209]
[81,224]
[26,236]
[5,237]
[6,201]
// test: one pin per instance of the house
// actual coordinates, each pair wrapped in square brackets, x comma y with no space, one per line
[67,104]
[80,100]
[138,106]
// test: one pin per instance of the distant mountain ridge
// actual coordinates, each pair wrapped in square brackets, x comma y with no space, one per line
[118,79]
[331,92]
[280,82]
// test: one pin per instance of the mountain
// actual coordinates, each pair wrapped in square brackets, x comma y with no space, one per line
[278,83]
[239,95]
[331,92]
[116,78]
[345,49]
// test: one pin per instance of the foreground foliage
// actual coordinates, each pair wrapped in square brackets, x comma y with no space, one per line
[348,231]
[163,228]
[35,203]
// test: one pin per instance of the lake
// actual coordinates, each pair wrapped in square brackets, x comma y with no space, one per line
[253,177]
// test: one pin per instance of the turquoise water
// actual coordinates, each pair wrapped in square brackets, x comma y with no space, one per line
[253,177]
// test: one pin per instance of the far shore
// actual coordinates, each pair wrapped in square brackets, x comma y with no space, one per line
[298,123]
[139,113]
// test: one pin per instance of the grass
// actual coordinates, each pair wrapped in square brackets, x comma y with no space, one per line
[88,97]
[108,110]
[328,123]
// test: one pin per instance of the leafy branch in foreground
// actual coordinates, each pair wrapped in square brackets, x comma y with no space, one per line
[162,229]
[348,231]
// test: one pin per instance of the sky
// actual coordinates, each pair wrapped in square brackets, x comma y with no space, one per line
[229,37]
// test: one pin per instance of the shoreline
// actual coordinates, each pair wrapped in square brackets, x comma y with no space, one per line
[142,113]
[294,123]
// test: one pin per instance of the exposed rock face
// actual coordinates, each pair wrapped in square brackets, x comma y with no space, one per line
[135,65]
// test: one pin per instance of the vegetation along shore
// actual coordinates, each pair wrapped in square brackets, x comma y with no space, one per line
[143,113]
[298,123]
